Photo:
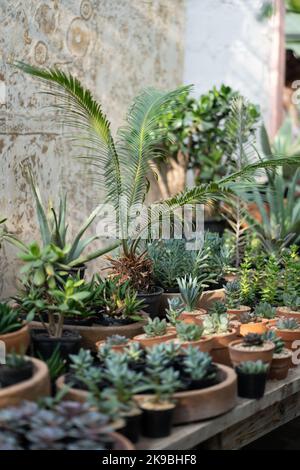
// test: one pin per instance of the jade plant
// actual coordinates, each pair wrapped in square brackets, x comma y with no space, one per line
[216,324]
[10,319]
[287,324]
[253,367]
[265,310]
[174,311]
[190,290]
[187,332]
[155,327]
[198,364]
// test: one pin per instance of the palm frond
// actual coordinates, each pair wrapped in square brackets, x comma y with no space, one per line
[84,115]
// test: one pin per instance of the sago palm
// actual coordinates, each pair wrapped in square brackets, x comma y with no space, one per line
[121,166]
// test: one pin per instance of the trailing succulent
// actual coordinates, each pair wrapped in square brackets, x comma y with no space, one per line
[287,324]
[252,367]
[189,331]
[68,426]
[155,327]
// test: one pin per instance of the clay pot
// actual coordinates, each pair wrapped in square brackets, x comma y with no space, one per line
[288,313]
[236,325]
[205,344]
[238,311]
[17,341]
[191,317]
[219,352]
[264,354]
[280,366]
[91,334]
[117,347]
[36,387]
[209,297]
[192,405]
[271,322]
[259,327]
[121,442]
[288,336]
[148,342]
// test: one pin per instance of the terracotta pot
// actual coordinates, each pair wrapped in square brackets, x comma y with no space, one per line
[209,297]
[288,313]
[241,355]
[147,342]
[219,352]
[280,366]
[193,405]
[91,334]
[191,317]
[288,336]
[238,311]
[236,325]
[117,347]
[121,442]
[205,344]
[17,341]
[272,322]
[36,387]
[259,327]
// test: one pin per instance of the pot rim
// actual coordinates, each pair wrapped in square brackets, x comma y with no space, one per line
[13,334]
[158,291]
[239,341]
[40,371]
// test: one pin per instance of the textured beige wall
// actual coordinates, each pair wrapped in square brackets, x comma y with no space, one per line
[115,47]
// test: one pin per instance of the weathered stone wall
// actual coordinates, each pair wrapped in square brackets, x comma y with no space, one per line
[115,47]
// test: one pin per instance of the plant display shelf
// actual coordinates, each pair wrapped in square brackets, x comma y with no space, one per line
[248,421]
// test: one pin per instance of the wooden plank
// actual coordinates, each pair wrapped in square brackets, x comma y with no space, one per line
[188,436]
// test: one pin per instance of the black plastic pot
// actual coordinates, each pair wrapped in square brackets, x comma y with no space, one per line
[132,428]
[44,345]
[157,422]
[215,225]
[151,301]
[14,375]
[251,385]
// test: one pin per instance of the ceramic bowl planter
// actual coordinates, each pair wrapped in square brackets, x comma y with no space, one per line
[36,387]
[152,301]
[157,420]
[241,353]
[17,341]
[220,352]
[280,365]
[192,317]
[149,341]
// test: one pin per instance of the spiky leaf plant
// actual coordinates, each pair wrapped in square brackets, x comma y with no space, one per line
[190,290]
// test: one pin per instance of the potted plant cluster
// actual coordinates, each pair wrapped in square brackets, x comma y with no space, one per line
[288,329]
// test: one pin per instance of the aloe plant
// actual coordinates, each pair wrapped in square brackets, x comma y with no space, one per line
[190,290]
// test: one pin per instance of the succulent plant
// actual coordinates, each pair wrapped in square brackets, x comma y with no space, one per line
[198,364]
[56,364]
[16,361]
[253,367]
[157,357]
[292,301]
[116,340]
[233,294]
[174,311]
[134,352]
[271,335]
[265,310]
[215,324]
[81,362]
[287,324]
[10,319]
[68,426]
[155,327]
[162,383]
[247,317]
[253,339]
[218,308]
[190,290]
[189,331]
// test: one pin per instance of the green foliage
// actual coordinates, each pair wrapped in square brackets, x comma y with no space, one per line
[116,340]
[287,324]
[247,283]
[162,383]
[291,270]
[56,364]
[269,280]
[253,367]
[198,364]
[271,335]
[233,294]
[174,311]
[218,307]
[10,319]
[190,290]
[265,310]
[215,324]
[292,301]
[134,351]
[16,361]
[189,331]
[253,339]
[155,327]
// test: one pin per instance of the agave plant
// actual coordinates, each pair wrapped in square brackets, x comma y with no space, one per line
[190,290]
[121,167]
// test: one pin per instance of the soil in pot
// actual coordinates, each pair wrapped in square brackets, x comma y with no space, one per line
[157,421]
[44,345]
[192,317]
[280,365]
[149,341]
[79,322]
[241,353]
[151,301]
[14,375]
[251,385]
[133,424]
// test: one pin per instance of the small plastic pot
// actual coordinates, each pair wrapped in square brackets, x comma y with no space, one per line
[151,301]
[44,345]
[251,385]
[132,428]
[157,423]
